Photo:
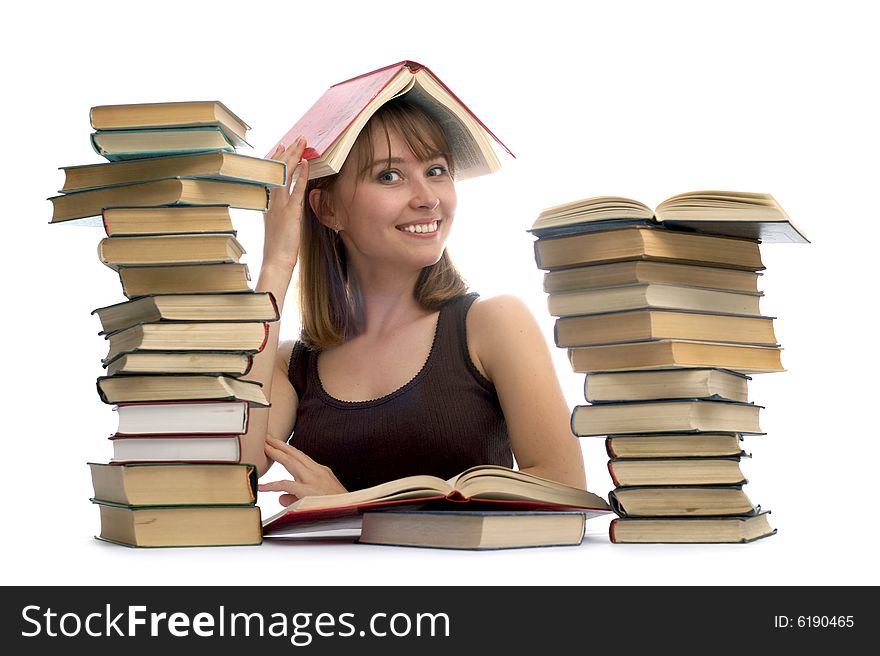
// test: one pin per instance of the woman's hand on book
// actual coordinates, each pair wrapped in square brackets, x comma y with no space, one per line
[311,479]
[283,220]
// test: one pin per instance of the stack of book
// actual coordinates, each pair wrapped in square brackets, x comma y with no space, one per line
[179,348]
[660,310]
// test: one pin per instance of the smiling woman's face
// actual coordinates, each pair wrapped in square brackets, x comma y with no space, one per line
[393,206]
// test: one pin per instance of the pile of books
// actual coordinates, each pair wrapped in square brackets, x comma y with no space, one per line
[660,310]
[179,348]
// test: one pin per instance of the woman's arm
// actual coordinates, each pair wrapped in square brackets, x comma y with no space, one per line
[507,345]
[282,223]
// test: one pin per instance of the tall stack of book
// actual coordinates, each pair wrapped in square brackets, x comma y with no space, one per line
[180,347]
[660,310]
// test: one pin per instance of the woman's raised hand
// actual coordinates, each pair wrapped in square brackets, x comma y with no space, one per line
[283,220]
[311,478]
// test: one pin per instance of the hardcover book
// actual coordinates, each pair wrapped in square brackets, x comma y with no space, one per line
[334,122]
[733,213]
[681,501]
[180,526]
[654,324]
[676,471]
[476,530]
[174,484]
[492,486]
[652,296]
[121,145]
[219,308]
[136,389]
[175,448]
[192,113]
[140,281]
[718,384]
[673,353]
[684,445]
[218,165]
[710,530]
[165,220]
[182,418]
[175,250]
[233,364]
[645,271]
[665,416]
[242,337]
[173,191]
[647,243]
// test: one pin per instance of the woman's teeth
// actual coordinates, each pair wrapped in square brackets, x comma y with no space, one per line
[424,227]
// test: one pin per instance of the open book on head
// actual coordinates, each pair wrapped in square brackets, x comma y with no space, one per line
[333,123]
[732,213]
[494,486]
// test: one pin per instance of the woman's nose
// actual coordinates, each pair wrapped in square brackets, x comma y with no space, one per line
[428,202]
[424,198]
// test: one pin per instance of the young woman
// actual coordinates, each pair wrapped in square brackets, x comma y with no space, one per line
[398,370]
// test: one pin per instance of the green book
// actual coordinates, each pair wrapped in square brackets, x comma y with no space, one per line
[120,145]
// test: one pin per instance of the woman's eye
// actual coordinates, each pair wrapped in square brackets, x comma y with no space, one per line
[437,170]
[389,176]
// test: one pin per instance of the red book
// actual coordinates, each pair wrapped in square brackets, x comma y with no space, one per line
[333,123]
[485,485]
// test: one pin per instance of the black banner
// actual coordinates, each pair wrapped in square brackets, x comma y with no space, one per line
[407,620]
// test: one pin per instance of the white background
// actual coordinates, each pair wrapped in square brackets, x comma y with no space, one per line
[639,99]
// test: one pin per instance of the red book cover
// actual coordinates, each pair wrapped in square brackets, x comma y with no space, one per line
[343,102]
[336,109]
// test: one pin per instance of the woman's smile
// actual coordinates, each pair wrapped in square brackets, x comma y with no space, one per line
[423,229]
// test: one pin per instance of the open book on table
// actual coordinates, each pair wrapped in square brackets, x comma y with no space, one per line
[485,485]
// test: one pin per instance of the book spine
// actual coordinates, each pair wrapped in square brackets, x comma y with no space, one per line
[274,305]
[396,67]
[101,394]
[611,527]
[609,448]
[264,342]
[169,436]
[611,472]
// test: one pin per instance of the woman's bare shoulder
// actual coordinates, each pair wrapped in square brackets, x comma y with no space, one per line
[503,313]
[498,326]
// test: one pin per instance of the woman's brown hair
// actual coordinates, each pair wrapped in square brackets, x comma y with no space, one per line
[331,305]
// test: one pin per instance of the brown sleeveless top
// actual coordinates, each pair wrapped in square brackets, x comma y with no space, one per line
[446,419]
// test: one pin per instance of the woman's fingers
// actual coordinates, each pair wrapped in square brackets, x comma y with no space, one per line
[287,499]
[300,179]
[293,460]
[279,454]
[293,159]
[279,486]
[292,490]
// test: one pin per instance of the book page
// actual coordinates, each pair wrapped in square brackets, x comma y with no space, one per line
[410,487]
[470,159]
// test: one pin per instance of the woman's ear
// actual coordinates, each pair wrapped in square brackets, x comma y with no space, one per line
[322,208]
[316,202]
